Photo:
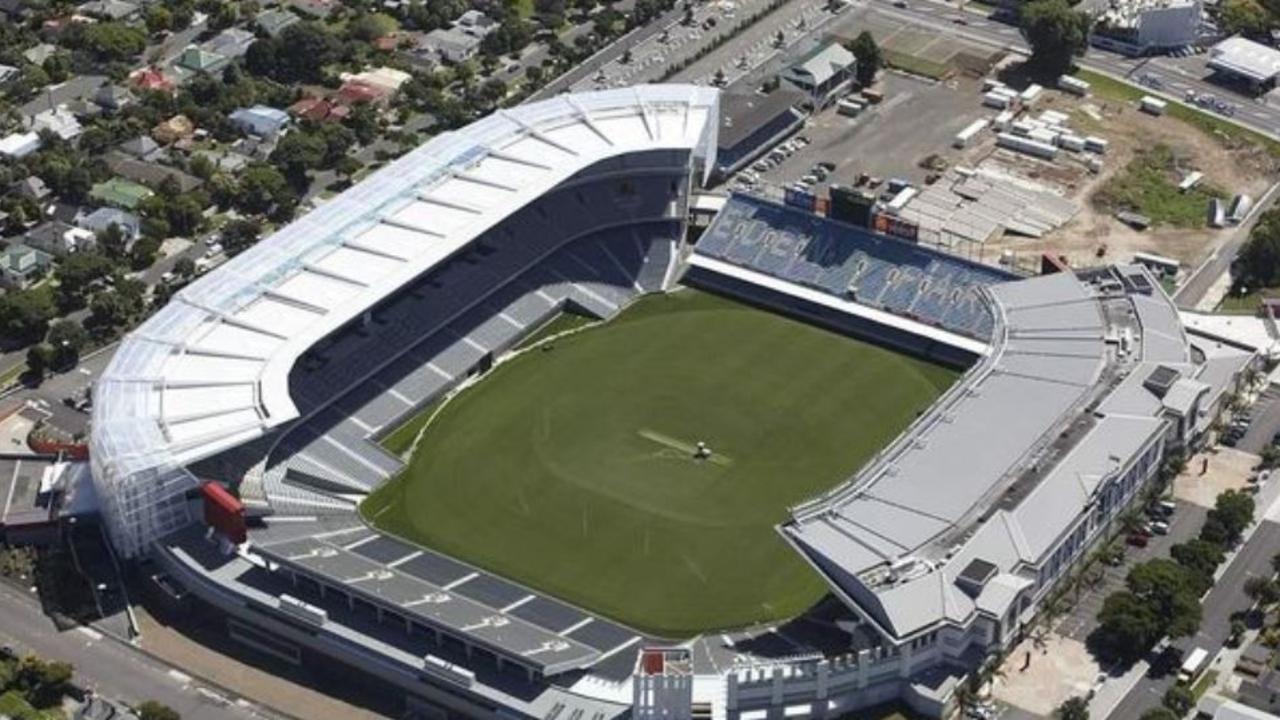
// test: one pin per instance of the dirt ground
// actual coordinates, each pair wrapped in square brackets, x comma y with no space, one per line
[1128,130]
[1059,668]
[1228,469]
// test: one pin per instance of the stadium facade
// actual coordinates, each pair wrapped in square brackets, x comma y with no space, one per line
[272,373]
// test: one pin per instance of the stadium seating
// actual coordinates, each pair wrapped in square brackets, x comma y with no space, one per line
[480,302]
[875,270]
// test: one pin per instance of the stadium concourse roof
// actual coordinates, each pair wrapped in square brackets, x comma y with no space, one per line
[901,537]
[210,370]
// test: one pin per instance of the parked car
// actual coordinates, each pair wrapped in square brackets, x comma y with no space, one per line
[1137,540]
[1160,527]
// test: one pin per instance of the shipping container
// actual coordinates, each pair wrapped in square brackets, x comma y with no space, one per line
[1027,145]
[1217,218]
[900,200]
[1240,207]
[996,100]
[969,133]
[1191,180]
[1031,94]
[1074,143]
[989,84]
[1095,144]
[1074,85]
[1044,135]
[1152,105]
[849,108]
[1003,120]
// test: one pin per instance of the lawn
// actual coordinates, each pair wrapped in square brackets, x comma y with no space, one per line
[13,705]
[1109,88]
[915,64]
[1247,304]
[1149,185]
[571,468]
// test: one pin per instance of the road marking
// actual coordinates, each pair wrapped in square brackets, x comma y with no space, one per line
[90,633]
[180,676]
[13,481]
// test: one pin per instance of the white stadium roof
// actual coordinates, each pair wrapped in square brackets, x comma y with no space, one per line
[210,370]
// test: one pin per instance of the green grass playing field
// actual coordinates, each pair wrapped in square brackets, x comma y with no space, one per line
[571,468]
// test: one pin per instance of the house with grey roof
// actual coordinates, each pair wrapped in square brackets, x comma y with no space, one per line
[260,120]
[112,98]
[103,218]
[823,73]
[230,43]
[60,239]
[32,188]
[141,147]
[109,9]
[451,45]
[22,265]
[273,21]
[37,54]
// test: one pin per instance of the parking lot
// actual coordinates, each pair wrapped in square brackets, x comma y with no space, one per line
[916,119]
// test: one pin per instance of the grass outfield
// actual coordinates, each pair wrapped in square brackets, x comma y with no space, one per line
[571,469]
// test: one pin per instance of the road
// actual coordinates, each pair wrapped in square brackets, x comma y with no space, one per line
[112,669]
[1227,597]
[1195,287]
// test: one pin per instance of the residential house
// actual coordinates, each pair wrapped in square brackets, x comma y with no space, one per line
[178,127]
[113,98]
[119,192]
[386,78]
[8,73]
[354,92]
[274,21]
[142,148]
[103,218]
[20,265]
[108,10]
[319,110]
[60,121]
[19,145]
[197,59]
[230,43]
[475,22]
[151,174]
[260,120]
[152,78]
[32,188]
[60,239]
[824,73]
[451,45]
[37,54]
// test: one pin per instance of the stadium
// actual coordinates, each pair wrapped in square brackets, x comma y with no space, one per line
[495,429]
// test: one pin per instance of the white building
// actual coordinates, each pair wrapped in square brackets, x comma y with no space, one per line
[1246,60]
[1138,27]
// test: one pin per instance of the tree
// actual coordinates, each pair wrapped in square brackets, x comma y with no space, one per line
[1179,699]
[1057,34]
[107,41]
[44,682]
[185,267]
[25,315]
[347,166]
[1158,714]
[262,187]
[240,235]
[152,710]
[201,166]
[67,338]
[1075,708]
[298,54]
[1259,260]
[1169,588]
[869,59]
[77,273]
[39,359]
[1127,626]
[1234,510]
[158,19]
[371,26]
[1262,590]
[1200,557]
[1246,17]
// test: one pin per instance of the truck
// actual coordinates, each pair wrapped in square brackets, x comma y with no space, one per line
[1152,105]
[1192,666]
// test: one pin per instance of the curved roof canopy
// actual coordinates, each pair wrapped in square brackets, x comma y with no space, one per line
[209,371]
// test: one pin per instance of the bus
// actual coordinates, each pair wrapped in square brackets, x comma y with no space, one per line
[1192,666]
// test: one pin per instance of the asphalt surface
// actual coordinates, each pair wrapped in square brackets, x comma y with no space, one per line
[110,668]
[1227,597]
